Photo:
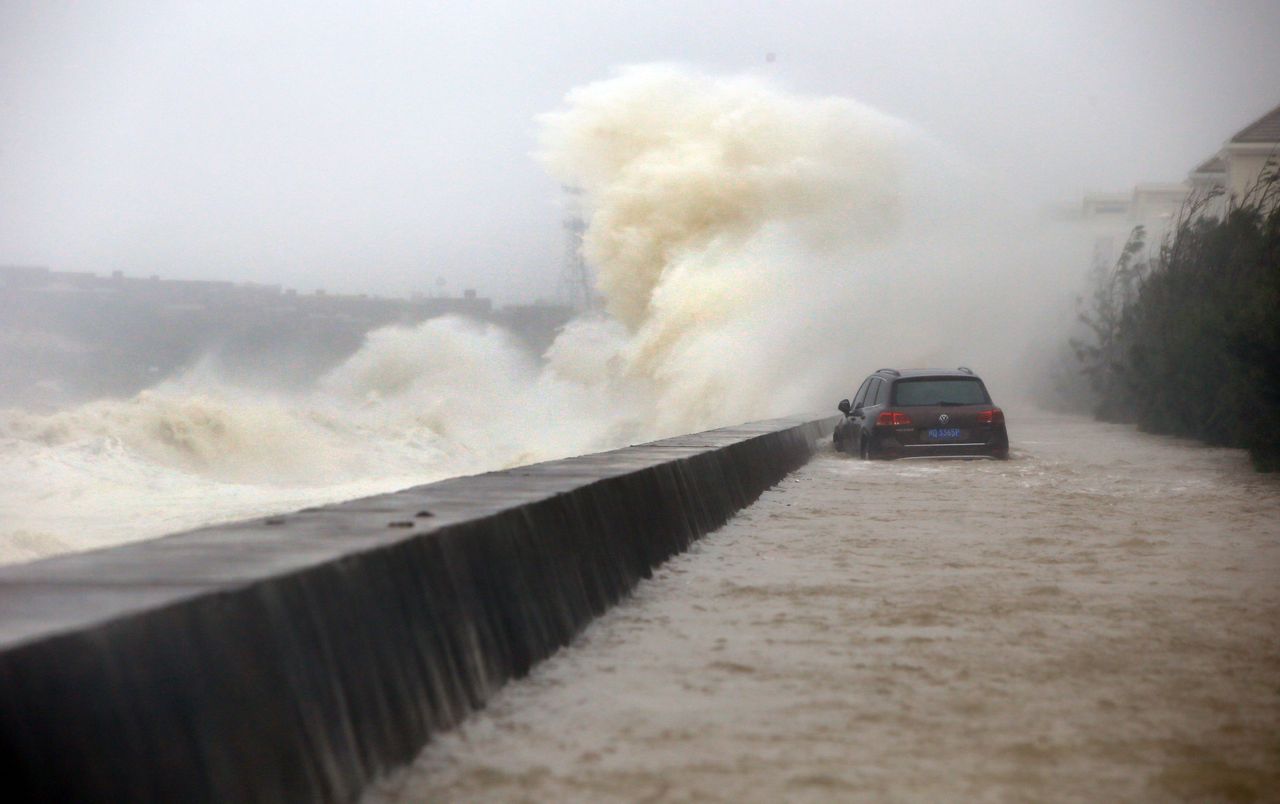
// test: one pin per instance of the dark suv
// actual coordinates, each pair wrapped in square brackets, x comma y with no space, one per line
[922,413]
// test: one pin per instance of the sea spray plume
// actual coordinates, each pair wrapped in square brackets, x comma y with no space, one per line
[670,163]
[717,211]
[434,362]
[469,389]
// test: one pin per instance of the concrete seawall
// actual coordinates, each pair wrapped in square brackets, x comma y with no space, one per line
[298,657]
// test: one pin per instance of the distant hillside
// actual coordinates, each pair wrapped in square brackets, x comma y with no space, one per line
[66,337]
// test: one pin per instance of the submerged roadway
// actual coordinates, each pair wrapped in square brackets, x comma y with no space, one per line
[1096,619]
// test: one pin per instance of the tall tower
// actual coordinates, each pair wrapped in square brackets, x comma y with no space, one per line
[576,287]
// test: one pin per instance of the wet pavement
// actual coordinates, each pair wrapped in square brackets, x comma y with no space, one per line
[1096,619]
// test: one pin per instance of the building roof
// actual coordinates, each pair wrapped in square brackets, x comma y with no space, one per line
[1213,164]
[1160,188]
[1264,129]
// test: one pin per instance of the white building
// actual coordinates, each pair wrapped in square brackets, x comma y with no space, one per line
[1111,217]
[1234,170]
[1238,165]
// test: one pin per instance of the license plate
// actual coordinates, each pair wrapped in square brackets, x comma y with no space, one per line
[942,433]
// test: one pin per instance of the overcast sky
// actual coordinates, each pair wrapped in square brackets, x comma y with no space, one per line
[363,146]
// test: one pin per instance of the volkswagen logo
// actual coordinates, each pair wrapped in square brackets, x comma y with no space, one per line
[943,418]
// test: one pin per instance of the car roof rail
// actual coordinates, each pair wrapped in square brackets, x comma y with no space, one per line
[965,369]
[894,372]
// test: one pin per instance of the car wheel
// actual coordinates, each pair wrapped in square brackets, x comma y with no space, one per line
[864,449]
[835,442]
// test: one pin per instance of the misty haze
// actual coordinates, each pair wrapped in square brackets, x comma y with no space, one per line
[258,261]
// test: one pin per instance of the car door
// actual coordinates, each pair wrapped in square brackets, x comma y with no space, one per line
[858,415]
[846,430]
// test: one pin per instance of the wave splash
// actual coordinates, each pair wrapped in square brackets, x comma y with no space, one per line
[732,228]
[720,215]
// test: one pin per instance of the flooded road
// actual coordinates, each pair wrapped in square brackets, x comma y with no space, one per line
[1097,619]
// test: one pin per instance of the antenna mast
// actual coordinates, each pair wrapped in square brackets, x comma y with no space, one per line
[576,287]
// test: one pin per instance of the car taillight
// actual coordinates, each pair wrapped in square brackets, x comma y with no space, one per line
[993,416]
[892,418]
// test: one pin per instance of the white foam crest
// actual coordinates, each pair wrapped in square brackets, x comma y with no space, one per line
[414,404]
[220,433]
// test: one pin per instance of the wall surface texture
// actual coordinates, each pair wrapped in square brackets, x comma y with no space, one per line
[299,657]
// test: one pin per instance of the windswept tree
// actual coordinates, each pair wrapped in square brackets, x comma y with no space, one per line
[1189,343]
[1101,356]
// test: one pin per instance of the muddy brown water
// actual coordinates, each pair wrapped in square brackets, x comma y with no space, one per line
[1096,619]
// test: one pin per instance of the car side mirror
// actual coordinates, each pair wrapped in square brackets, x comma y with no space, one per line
[843,407]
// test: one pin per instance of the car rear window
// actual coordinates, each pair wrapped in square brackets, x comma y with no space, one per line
[940,391]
